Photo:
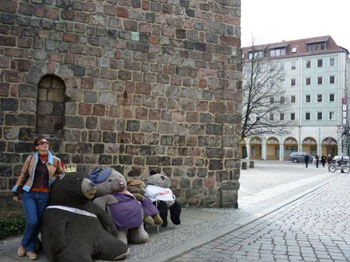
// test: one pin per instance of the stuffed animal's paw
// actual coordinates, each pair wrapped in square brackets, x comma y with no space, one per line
[148,220]
[157,220]
[139,197]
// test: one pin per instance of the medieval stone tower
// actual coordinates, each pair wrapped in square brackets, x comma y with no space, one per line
[136,85]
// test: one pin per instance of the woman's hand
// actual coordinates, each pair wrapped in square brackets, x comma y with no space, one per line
[15,198]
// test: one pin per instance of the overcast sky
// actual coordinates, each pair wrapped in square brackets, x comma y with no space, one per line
[269,21]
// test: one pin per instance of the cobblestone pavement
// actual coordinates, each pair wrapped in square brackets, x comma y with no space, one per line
[314,228]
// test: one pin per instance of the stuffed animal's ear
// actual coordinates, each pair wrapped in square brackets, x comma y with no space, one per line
[153,173]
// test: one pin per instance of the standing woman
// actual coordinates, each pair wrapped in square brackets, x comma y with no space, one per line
[38,173]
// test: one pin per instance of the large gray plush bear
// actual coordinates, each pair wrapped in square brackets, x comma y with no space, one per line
[113,197]
[74,229]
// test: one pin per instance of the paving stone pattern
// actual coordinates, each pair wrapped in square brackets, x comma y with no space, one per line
[315,228]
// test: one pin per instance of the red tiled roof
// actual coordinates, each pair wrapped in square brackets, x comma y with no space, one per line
[301,46]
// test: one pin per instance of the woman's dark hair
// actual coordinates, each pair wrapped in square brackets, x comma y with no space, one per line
[37,140]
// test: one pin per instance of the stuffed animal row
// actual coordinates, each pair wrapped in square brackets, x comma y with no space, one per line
[120,199]
[77,228]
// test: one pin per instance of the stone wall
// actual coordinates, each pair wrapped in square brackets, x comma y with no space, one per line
[147,85]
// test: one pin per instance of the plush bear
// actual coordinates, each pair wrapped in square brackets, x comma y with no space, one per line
[158,191]
[150,212]
[74,229]
[114,198]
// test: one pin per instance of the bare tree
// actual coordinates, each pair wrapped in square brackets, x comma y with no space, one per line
[264,98]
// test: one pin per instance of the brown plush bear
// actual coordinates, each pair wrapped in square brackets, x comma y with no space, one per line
[74,229]
[150,212]
[120,204]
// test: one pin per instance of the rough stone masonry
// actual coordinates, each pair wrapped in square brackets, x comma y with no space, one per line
[132,84]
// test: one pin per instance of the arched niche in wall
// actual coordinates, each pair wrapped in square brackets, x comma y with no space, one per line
[50,105]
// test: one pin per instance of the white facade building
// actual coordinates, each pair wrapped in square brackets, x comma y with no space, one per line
[316,80]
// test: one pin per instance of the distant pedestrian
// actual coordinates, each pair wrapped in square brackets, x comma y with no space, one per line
[323,160]
[329,159]
[317,160]
[306,159]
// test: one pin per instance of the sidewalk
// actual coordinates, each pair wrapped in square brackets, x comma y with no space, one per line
[202,225]
[314,228]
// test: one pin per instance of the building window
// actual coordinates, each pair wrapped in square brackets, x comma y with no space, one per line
[271,116]
[282,66]
[292,82]
[281,116]
[316,47]
[292,99]
[308,81]
[272,100]
[294,49]
[331,79]
[319,115]
[331,97]
[282,100]
[319,63]
[257,54]
[292,116]
[319,80]
[319,98]
[278,52]
[307,116]
[293,66]
[331,115]
[331,62]
[307,98]
[308,64]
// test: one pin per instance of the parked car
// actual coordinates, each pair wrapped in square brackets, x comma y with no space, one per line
[298,157]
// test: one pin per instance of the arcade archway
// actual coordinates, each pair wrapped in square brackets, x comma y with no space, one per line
[309,146]
[272,149]
[243,149]
[290,145]
[329,146]
[255,148]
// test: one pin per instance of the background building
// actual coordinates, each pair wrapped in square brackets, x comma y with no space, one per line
[316,80]
[135,85]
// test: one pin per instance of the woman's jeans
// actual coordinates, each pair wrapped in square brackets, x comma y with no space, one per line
[34,204]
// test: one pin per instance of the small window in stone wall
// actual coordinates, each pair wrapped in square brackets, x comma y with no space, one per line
[50,105]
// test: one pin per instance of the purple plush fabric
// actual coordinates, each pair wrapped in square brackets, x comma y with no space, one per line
[149,208]
[127,213]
